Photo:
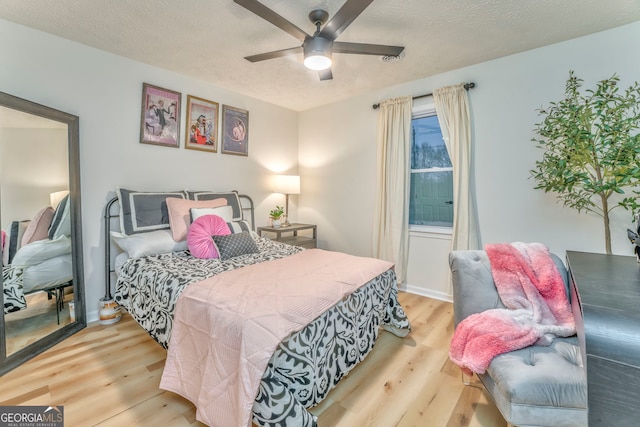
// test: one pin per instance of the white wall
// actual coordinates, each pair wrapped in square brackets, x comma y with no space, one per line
[25,185]
[105,91]
[337,155]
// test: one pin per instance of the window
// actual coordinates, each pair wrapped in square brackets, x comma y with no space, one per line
[431,198]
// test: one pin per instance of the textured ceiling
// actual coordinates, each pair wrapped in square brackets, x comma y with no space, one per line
[208,39]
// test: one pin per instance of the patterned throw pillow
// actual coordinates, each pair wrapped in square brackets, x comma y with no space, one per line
[234,245]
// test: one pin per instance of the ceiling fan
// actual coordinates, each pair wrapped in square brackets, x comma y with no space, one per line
[318,48]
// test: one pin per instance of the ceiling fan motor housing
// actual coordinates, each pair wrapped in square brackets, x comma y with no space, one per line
[318,47]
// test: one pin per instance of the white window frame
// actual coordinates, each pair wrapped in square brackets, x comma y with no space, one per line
[421,110]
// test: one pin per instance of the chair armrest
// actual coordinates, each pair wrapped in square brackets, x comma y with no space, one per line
[473,288]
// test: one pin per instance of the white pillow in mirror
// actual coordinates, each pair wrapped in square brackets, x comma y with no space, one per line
[36,252]
[51,272]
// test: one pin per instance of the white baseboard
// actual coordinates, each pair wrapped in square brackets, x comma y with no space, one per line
[92,316]
[427,293]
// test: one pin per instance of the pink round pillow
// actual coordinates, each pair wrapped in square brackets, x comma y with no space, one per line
[199,238]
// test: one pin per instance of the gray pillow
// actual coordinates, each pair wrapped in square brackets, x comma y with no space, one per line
[234,245]
[238,226]
[142,211]
[61,222]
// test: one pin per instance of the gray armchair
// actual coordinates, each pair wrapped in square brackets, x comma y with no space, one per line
[533,386]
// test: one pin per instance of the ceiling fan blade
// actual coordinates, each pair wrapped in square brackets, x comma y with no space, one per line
[343,17]
[367,49]
[274,54]
[269,15]
[325,74]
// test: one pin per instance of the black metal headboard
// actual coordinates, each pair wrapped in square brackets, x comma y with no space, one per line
[246,205]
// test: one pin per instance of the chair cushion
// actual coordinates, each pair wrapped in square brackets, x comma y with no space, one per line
[531,384]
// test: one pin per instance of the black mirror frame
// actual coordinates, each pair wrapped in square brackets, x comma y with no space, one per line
[14,360]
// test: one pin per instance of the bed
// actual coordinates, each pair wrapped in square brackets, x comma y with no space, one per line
[37,257]
[52,276]
[159,289]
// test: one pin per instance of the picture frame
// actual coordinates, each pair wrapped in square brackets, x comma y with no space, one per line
[201,131]
[160,116]
[235,131]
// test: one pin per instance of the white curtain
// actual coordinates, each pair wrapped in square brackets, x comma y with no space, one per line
[452,108]
[391,215]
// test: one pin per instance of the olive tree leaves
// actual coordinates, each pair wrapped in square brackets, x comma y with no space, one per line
[591,146]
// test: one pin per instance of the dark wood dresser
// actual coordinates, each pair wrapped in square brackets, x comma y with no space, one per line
[605,297]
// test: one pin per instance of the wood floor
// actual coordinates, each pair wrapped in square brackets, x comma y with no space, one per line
[38,320]
[109,376]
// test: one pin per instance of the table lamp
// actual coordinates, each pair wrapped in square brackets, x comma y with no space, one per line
[286,184]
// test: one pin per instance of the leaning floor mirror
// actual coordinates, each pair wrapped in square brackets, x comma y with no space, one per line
[42,273]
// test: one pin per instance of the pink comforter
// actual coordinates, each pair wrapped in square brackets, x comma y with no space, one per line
[227,327]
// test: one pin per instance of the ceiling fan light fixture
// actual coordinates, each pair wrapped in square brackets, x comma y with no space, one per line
[317,53]
[317,62]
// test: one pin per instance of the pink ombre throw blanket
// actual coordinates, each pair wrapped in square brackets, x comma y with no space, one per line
[227,327]
[537,309]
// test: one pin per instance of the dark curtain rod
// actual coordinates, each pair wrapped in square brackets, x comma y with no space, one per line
[467,86]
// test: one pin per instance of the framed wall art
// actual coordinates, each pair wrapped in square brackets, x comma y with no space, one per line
[160,124]
[235,131]
[202,124]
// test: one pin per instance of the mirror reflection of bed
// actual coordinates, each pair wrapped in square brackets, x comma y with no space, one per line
[34,211]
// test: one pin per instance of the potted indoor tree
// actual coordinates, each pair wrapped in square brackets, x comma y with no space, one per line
[591,146]
[276,215]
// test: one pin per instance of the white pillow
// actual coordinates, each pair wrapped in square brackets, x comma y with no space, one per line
[179,220]
[151,243]
[224,212]
[51,272]
[36,252]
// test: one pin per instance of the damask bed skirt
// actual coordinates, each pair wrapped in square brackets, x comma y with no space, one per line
[12,288]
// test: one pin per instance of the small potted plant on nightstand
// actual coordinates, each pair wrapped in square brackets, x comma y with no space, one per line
[275,215]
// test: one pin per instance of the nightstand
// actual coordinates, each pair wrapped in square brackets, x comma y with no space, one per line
[294,239]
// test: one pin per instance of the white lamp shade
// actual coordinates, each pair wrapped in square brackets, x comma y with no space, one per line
[286,184]
[56,198]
